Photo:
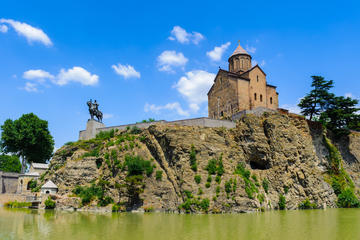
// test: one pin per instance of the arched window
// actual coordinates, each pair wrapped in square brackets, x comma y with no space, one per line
[242,63]
[271,100]
[255,96]
[260,97]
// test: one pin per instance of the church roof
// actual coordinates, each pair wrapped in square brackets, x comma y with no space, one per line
[239,50]
[49,184]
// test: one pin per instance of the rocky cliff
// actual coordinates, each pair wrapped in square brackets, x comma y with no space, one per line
[262,162]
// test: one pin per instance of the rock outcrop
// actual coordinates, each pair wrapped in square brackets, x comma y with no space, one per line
[261,159]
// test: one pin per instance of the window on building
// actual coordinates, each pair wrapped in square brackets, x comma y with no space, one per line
[257,78]
[222,114]
[260,97]
[271,100]
[255,96]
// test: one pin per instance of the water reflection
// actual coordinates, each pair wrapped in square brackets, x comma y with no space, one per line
[309,224]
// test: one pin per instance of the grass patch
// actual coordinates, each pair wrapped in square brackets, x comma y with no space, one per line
[16,204]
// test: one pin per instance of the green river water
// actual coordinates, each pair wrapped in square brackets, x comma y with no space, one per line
[307,224]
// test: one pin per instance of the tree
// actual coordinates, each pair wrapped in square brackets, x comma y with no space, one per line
[315,102]
[341,114]
[27,137]
[10,163]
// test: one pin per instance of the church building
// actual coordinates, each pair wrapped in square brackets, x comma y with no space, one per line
[243,87]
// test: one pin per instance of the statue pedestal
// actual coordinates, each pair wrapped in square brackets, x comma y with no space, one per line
[91,129]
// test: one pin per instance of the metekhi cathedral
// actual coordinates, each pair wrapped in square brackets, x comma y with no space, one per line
[243,87]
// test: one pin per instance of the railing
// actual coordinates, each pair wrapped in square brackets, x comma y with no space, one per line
[33,199]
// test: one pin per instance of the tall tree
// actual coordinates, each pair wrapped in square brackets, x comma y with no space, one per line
[341,114]
[10,163]
[315,102]
[27,137]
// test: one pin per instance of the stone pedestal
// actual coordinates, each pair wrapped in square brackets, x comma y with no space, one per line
[90,131]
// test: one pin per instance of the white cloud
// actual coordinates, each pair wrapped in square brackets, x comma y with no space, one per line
[31,33]
[180,34]
[168,59]
[175,106]
[250,49]
[194,87]
[293,108]
[38,75]
[217,53]
[350,95]
[30,87]
[76,74]
[262,63]
[108,115]
[127,71]
[3,28]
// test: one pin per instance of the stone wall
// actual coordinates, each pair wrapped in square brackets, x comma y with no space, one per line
[8,197]
[202,122]
[259,111]
[8,182]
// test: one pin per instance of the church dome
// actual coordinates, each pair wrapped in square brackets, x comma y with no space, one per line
[239,50]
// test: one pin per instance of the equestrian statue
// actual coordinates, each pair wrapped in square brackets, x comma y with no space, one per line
[94,110]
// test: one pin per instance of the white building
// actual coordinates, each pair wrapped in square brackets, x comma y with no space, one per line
[49,188]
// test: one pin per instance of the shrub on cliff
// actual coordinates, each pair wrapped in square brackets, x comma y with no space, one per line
[137,166]
[347,199]
[282,202]
[193,163]
[49,203]
[306,204]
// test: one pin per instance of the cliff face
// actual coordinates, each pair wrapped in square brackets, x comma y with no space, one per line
[199,169]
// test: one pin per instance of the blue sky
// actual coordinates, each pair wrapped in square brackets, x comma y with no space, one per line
[156,59]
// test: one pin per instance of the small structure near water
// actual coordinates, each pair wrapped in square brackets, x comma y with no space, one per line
[49,188]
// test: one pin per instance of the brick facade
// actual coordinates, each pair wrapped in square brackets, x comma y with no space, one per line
[241,88]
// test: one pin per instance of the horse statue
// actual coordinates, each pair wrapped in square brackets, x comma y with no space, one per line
[94,110]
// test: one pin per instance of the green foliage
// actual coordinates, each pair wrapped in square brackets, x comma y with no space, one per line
[207,185]
[105,135]
[197,179]
[93,153]
[10,163]
[212,166]
[335,184]
[69,144]
[261,198]
[286,189]
[200,191]
[192,204]
[16,204]
[315,102]
[265,184]
[158,175]
[28,137]
[148,120]
[282,202]
[209,179]
[193,163]
[217,191]
[341,115]
[241,170]
[228,186]
[215,166]
[87,194]
[118,207]
[135,130]
[137,166]
[49,203]
[306,204]
[347,199]
[32,184]
[218,179]
[188,194]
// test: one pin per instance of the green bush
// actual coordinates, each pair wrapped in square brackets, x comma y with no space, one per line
[16,204]
[118,207]
[209,179]
[347,199]
[306,204]
[286,189]
[188,194]
[211,166]
[197,179]
[158,175]
[105,135]
[227,186]
[265,184]
[193,163]
[217,191]
[282,202]
[69,143]
[200,191]
[137,166]
[218,179]
[261,198]
[336,186]
[207,185]
[204,204]
[135,130]
[241,170]
[49,203]
[87,194]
